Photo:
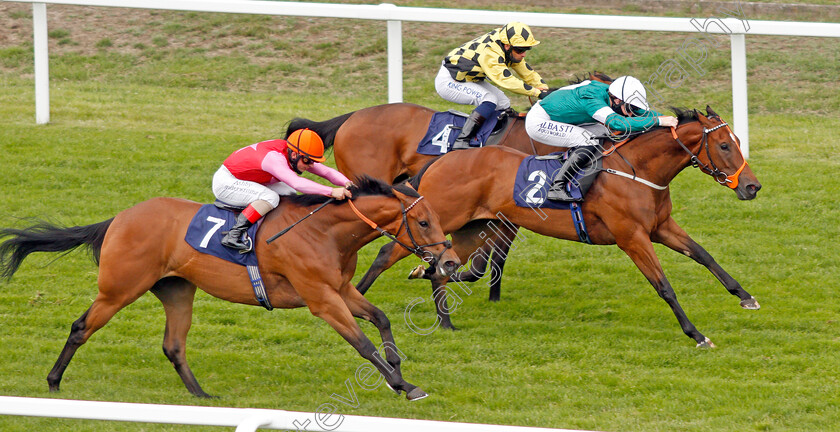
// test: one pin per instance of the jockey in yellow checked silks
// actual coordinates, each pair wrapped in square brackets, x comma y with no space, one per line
[498,56]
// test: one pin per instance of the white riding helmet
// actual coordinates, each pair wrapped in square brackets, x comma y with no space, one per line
[630,90]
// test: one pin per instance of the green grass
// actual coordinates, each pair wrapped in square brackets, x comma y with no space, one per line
[580,340]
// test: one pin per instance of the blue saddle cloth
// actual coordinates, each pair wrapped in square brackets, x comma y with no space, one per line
[205,235]
[445,127]
[533,179]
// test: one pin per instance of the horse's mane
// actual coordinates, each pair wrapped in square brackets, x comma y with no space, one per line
[685,115]
[591,76]
[414,181]
[362,186]
[595,75]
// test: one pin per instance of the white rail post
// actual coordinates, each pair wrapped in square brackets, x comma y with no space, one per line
[42,63]
[395,66]
[739,92]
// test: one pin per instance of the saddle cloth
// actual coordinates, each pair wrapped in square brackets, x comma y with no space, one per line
[205,235]
[445,127]
[534,178]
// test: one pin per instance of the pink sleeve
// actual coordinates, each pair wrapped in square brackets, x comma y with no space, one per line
[328,173]
[275,164]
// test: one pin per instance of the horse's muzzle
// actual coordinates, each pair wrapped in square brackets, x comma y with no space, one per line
[448,263]
[747,190]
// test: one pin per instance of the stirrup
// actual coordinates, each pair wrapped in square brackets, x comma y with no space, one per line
[461,144]
[558,193]
[236,243]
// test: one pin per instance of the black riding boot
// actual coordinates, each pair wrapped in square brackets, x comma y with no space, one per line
[233,239]
[471,126]
[578,160]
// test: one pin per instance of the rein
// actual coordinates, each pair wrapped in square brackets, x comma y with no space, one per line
[415,248]
[731,181]
[285,230]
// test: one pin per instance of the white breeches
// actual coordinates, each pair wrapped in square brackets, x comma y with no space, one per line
[231,190]
[469,93]
[542,128]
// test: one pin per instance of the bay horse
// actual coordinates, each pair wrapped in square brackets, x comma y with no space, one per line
[617,210]
[381,141]
[310,266]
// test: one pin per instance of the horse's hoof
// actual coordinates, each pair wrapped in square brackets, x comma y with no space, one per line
[417,273]
[706,344]
[750,303]
[392,389]
[416,394]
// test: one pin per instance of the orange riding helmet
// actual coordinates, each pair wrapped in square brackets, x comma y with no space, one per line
[307,143]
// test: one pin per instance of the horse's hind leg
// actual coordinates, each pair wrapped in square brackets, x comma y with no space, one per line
[177,296]
[672,235]
[99,313]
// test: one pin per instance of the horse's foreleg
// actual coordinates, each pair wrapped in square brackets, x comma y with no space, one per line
[672,235]
[330,307]
[478,266]
[177,296]
[484,242]
[388,256]
[640,249]
[439,294]
[360,307]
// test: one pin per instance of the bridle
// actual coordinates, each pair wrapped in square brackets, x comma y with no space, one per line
[721,177]
[417,249]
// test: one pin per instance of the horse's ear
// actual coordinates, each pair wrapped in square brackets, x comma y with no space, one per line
[698,114]
[711,112]
[405,188]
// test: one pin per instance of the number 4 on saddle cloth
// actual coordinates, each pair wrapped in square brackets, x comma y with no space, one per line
[205,233]
[445,127]
[534,178]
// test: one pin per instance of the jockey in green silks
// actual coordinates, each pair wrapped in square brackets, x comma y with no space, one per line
[621,106]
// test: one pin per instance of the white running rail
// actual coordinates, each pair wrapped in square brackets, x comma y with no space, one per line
[244,419]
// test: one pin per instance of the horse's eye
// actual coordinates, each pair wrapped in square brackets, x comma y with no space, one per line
[423,224]
[724,146]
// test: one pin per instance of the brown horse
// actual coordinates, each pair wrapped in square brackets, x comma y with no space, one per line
[381,142]
[619,210]
[310,265]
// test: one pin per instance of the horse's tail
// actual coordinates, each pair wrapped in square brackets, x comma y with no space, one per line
[325,129]
[46,237]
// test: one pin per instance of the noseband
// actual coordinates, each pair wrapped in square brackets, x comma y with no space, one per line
[417,249]
[731,181]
